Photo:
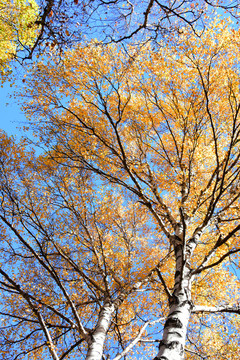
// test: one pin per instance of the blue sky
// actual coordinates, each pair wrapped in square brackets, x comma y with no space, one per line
[11,116]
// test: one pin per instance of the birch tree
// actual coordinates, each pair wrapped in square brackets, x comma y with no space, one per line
[164,128]
[157,133]
[68,266]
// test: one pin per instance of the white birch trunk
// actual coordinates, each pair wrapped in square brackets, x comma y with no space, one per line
[95,347]
[172,345]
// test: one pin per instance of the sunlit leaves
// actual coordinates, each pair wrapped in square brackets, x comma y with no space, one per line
[17,29]
[136,199]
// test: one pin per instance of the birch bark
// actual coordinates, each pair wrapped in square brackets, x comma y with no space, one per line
[172,345]
[95,347]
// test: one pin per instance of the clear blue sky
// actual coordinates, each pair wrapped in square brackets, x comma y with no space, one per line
[11,116]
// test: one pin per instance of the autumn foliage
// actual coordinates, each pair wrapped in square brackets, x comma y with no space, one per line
[122,237]
[17,30]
